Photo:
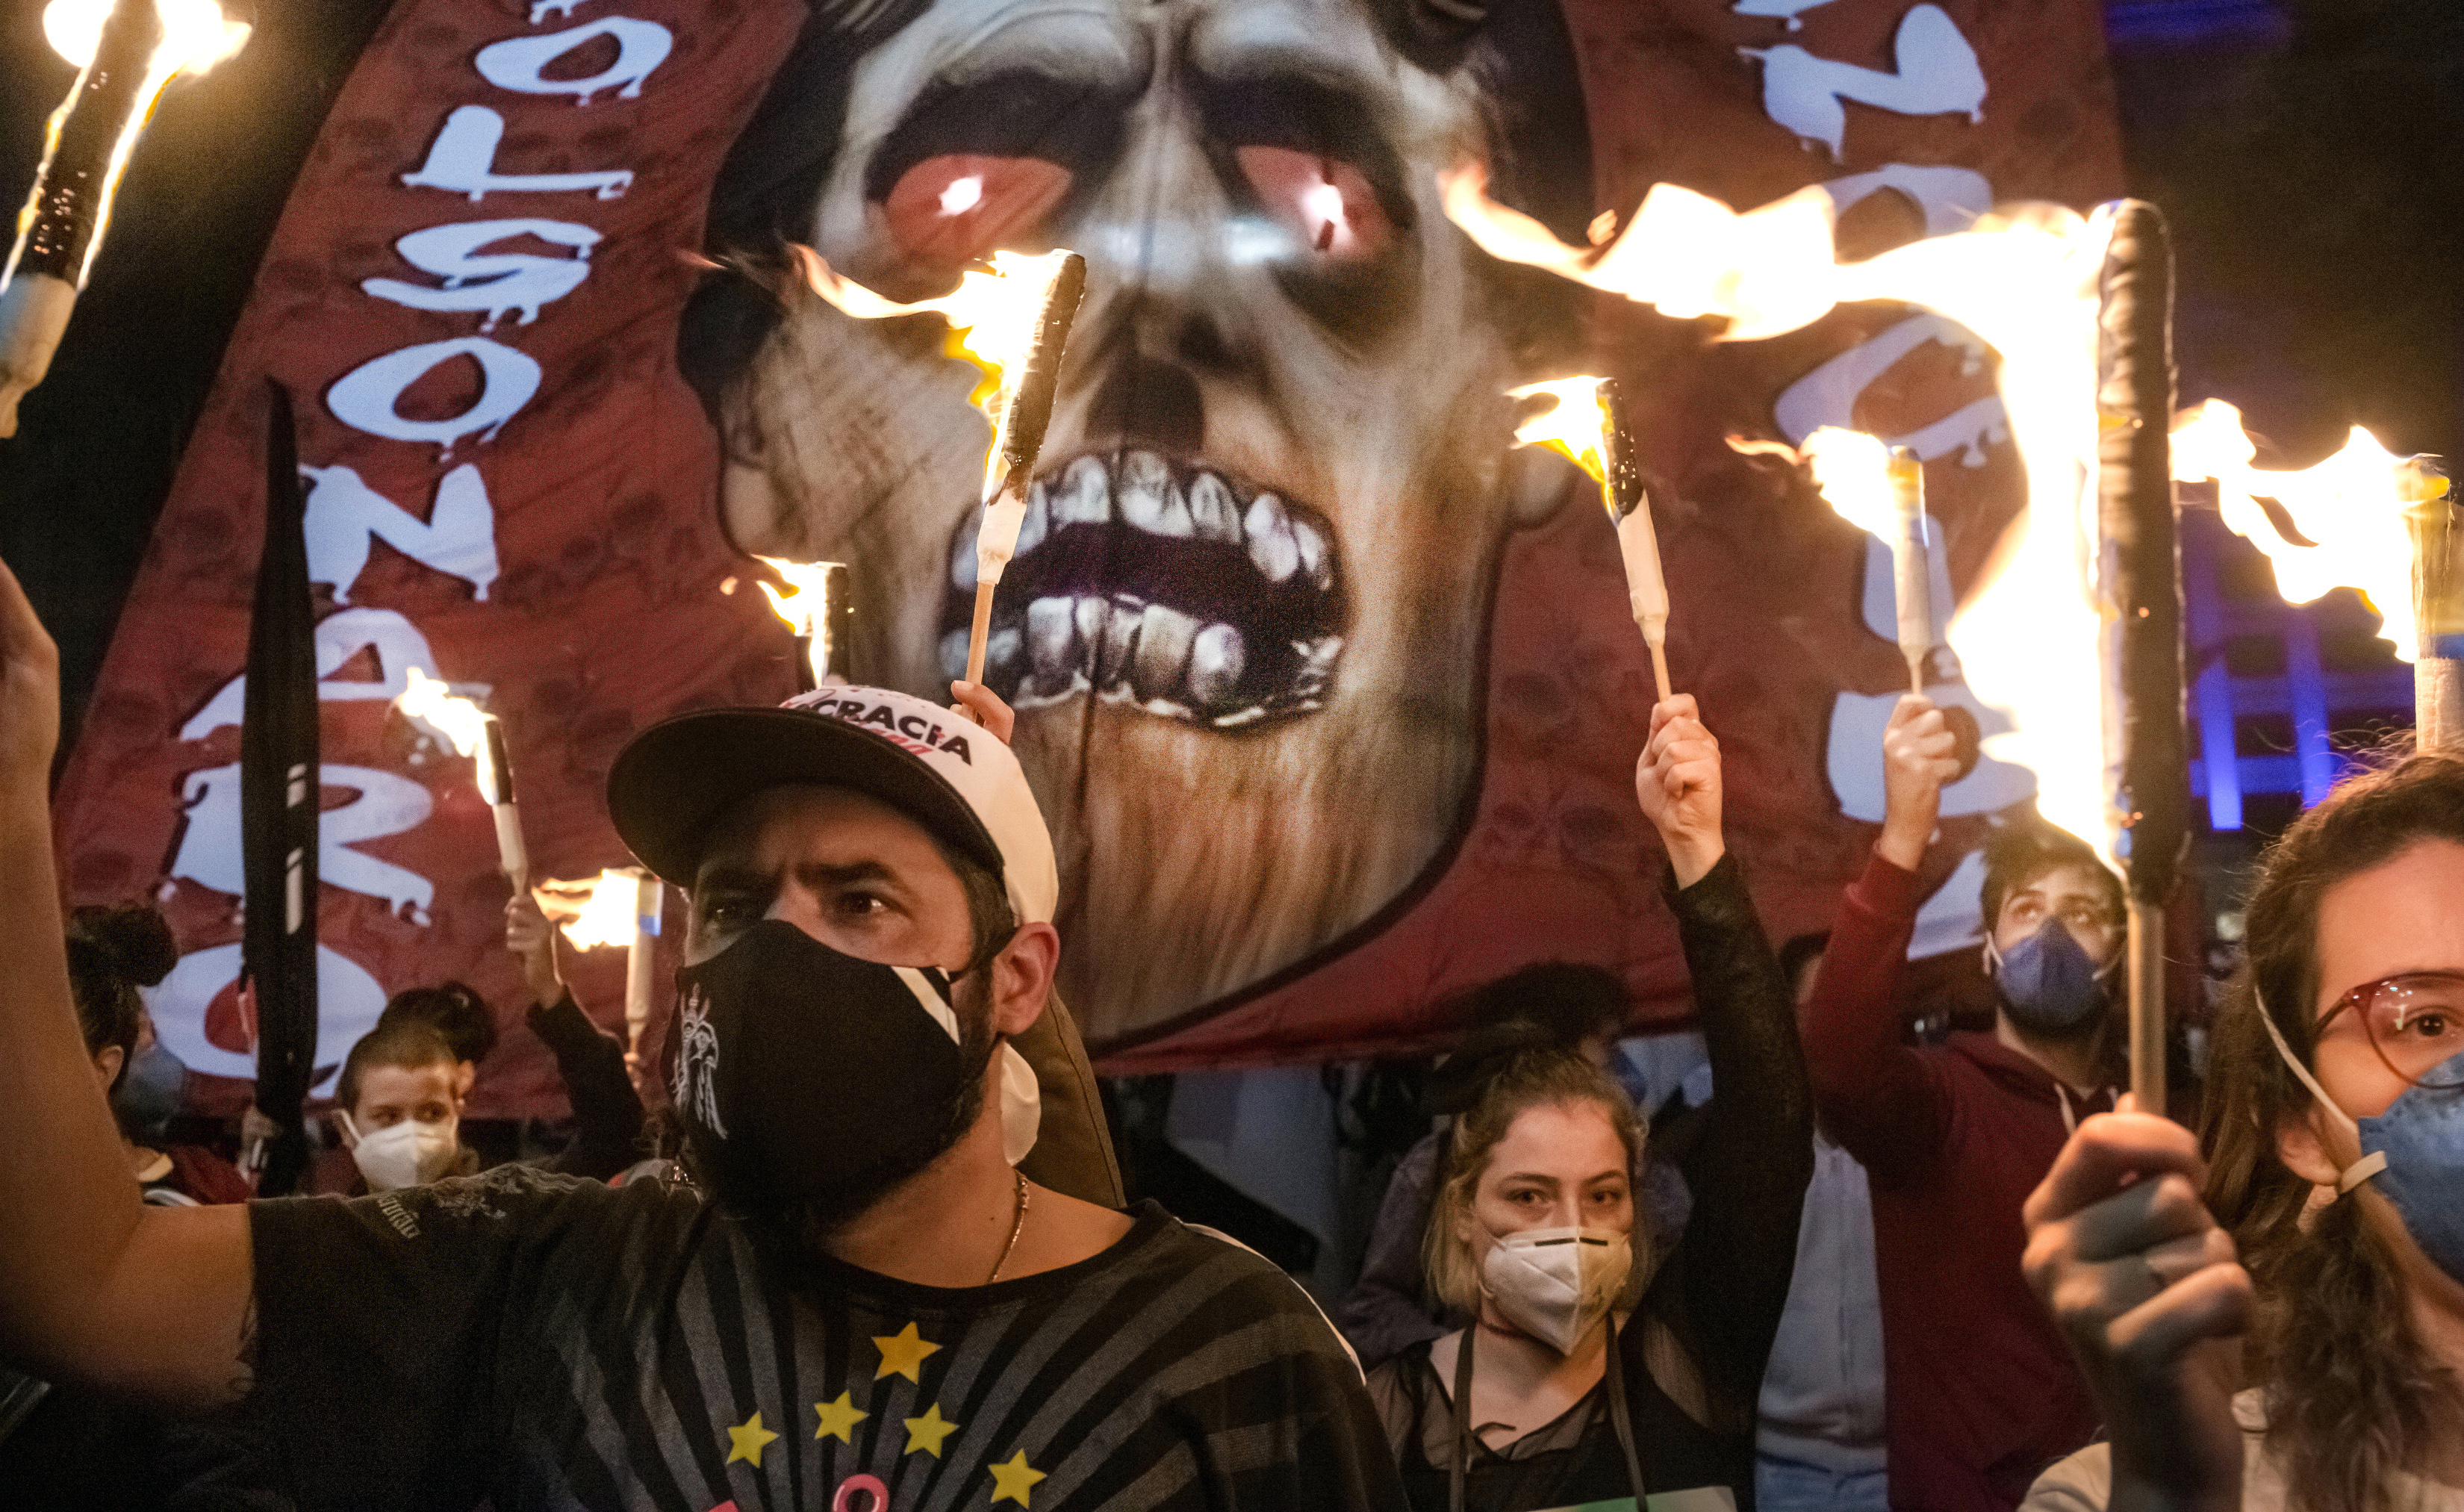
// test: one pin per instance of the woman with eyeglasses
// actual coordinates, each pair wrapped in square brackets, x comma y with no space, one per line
[2280,1323]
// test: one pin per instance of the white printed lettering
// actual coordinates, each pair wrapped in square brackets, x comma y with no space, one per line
[462,160]
[517,63]
[340,639]
[1935,73]
[349,1000]
[364,398]
[495,282]
[458,538]
[386,805]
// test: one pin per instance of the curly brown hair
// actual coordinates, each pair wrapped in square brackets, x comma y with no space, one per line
[2353,1397]
[1530,1079]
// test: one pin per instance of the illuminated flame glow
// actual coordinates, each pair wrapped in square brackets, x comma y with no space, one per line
[992,317]
[2352,506]
[2025,281]
[1574,426]
[1852,469]
[433,704]
[607,917]
[195,37]
[804,604]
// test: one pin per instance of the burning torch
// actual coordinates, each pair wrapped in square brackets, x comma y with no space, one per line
[2141,567]
[622,907]
[1014,323]
[1880,489]
[1018,437]
[126,50]
[1587,426]
[480,736]
[818,608]
[2438,607]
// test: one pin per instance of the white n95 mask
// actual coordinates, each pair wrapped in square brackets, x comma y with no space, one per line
[409,1153]
[1556,1283]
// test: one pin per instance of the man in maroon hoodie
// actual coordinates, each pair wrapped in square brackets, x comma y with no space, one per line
[1980,1392]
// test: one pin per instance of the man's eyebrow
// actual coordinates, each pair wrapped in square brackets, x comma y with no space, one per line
[819,874]
[730,876]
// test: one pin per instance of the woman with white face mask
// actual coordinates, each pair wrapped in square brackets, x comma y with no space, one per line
[1581,1379]
[399,1108]
[2281,1322]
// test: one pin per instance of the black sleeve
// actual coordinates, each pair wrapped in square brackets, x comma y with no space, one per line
[378,1325]
[1386,1311]
[606,1110]
[1723,1290]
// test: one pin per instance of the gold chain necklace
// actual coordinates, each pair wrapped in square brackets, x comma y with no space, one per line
[1015,1228]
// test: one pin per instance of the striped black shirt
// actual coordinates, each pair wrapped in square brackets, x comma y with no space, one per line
[545,1343]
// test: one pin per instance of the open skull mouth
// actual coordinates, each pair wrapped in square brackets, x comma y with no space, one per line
[1161,583]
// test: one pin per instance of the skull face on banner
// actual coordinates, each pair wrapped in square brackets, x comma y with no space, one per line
[1245,626]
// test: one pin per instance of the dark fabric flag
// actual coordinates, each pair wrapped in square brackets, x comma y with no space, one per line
[278,805]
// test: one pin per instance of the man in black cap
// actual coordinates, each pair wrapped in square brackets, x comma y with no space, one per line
[861,1303]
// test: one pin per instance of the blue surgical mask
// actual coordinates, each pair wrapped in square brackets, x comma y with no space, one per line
[2416,1150]
[2049,982]
[149,1092]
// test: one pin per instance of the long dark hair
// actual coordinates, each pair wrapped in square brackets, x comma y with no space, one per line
[2353,1397]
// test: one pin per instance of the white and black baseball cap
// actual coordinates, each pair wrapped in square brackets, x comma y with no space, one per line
[944,771]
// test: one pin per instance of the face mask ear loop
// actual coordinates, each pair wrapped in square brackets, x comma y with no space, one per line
[2360,1171]
[348,1126]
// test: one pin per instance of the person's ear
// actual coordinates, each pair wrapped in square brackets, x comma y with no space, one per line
[2303,1153]
[1021,977]
[107,1062]
[464,1074]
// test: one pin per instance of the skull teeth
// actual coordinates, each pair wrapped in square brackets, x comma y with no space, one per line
[1125,615]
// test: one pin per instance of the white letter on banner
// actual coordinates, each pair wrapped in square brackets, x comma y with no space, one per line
[458,538]
[1828,395]
[364,398]
[1936,74]
[462,160]
[339,638]
[503,280]
[515,63]
[349,1000]
[386,805]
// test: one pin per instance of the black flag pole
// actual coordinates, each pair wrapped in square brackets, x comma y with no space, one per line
[279,807]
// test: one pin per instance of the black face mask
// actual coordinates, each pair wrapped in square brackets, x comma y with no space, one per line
[811,1083]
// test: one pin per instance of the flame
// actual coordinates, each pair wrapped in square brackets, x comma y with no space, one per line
[2352,506]
[2024,280]
[433,704]
[1852,469]
[1685,252]
[607,916]
[1574,428]
[992,318]
[195,35]
[804,605]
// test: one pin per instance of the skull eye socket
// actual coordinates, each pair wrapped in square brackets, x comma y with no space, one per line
[960,208]
[1325,202]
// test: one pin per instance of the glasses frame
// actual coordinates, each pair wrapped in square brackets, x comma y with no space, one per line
[2360,999]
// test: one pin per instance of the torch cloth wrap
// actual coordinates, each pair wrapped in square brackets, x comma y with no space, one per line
[2141,563]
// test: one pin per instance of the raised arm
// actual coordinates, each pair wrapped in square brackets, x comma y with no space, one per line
[95,1286]
[1877,1096]
[1749,1169]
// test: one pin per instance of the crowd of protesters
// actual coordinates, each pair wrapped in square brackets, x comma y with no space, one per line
[1843,1266]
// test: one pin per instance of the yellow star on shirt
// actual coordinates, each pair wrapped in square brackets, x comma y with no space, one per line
[837,1417]
[1012,1482]
[747,1441]
[927,1432]
[902,1353]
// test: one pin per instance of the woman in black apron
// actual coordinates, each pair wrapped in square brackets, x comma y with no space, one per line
[1591,1384]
